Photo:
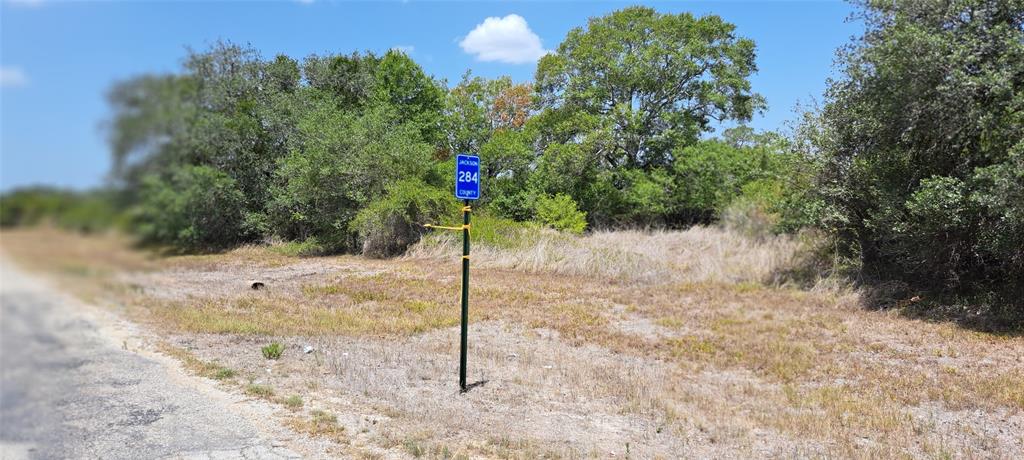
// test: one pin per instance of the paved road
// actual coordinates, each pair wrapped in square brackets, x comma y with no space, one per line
[69,391]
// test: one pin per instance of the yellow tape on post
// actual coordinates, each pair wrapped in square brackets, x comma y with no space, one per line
[464,227]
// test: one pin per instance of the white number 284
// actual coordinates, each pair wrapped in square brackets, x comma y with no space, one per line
[466,176]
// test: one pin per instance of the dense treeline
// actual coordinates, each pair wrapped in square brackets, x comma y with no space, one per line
[921,147]
[85,212]
[915,162]
[353,152]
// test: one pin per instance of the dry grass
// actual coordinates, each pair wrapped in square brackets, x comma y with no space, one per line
[197,366]
[699,254]
[667,341]
[320,423]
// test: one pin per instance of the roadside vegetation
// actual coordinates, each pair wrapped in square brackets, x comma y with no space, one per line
[719,352]
[911,170]
[642,286]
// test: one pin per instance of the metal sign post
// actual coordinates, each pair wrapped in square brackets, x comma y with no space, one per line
[465,296]
[467,187]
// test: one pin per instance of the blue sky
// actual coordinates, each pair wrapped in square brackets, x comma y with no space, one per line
[58,59]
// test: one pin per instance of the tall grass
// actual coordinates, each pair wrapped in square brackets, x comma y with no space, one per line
[698,254]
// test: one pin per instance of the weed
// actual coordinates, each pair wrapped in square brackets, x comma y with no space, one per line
[273,351]
[259,391]
[321,423]
[293,402]
[414,448]
[224,373]
[196,365]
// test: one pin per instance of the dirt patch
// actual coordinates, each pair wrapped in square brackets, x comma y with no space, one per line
[539,391]
[581,366]
[233,280]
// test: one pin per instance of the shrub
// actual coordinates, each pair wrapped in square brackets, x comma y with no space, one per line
[710,175]
[197,208]
[259,391]
[560,212]
[503,233]
[337,172]
[923,165]
[293,402]
[273,351]
[755,211]
[516,206]
[393,223]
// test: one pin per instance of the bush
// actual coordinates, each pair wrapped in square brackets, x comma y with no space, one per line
[393,223]
[516,206]
[923,165]
[197,209]
[338,171]
[710,175]
[647,196]
[755,211]
[559,212]
[503,233]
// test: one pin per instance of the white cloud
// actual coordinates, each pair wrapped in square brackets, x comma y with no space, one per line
[12,77]
[508,39]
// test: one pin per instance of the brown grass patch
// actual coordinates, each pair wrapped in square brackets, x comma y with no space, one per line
[717,353]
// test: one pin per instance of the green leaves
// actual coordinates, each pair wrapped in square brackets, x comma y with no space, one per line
[198,208]
[920,166]
[395,221]
[345,162]
[326,148]
[559,212]
[656,80]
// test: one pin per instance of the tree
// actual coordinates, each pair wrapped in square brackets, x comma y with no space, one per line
[196,208]
[489,117]
[229,110]
[652,82]
[349,78]
[922,171]
[149,130]
[337,171]
[400,82]
[477,107]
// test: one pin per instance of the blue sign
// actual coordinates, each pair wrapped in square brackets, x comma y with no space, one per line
[467,177]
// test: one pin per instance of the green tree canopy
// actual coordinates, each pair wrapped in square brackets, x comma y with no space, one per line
[649,82]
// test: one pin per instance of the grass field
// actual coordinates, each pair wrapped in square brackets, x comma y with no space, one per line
[698,343]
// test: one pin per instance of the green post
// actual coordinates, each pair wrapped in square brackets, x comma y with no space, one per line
[465,295]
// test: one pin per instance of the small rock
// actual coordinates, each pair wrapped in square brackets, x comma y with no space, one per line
[276,443]
[256,285]
[307,349]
